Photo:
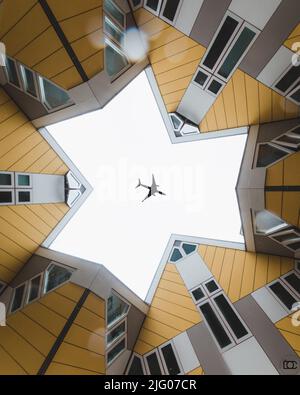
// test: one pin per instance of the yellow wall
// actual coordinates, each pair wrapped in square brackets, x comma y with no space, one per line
[23,228]
[30,38]
[285,204]
[294,37]
[174,57]
[290,332]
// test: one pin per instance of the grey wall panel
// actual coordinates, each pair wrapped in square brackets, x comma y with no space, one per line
[269,131]
[188,15]
[266,245]
[48,188]
[208,20]
[266,334]
[135,321]
[279,27]
[33,267]
[206,350]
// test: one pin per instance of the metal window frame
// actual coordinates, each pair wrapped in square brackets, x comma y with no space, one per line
[111,348]
[290,134]
[23,298]
[172,23]
[43,95]
[110,43]
[271,232]
[27,301]
[72,270]
[105,12]
[236,30]
[20,88]
[248,335]
[154,351]
[223,84]
[176,357]
[295,89]
[205,297]
[151,9]
[113,323]
[13,197]
[107,19]
[204,71]
[35,79]
[283,278]
[245,24]
[290,88]
[134,354]
[276,297]
[210,294]
[173,114]
[17,186]
[17,191]
[110,345]
[279,147]
[12,185]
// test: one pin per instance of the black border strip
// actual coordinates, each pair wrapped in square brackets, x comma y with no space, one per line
[283,188]
[63,39]
[63,333]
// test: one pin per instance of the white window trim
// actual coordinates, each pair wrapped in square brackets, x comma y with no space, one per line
[295,89]
[270,232]
[205,297]
[112,17]
[131,360]
[72,270]
[248,335]
[276,297]
[209,83]
[110,345]
[280,77]
[120,353]
[283,278]
[117,49]
[204,71]
[256,31]
[23,298]
[155,351]
[23,190]
[172,23]
[40,291]
[107,19]
[36,85]
[151,10]
[13,202]
[176,357]
[113,323]
[279,147]
[17,186]
[240,22]
[287,244]
[289,133]
[206,291]
[173,114]
[43,96]
[285,232]
[12,185]
[134,8]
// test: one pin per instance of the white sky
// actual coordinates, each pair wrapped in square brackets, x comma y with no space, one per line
[125,141]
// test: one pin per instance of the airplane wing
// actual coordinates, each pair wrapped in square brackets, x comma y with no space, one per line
[154,185]
[161,193]
[147,197]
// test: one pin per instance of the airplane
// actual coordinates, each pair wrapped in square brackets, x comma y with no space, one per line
[152,190]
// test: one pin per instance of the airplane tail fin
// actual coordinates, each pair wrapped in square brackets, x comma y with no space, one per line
[139,184]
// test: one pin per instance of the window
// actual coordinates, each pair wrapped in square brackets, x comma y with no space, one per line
[18,298]
[55,276]
[6,179]
[34,289]
[28,79]
[293,281]
[12,72]
[116,351]
[284,296]
[294,95]
[116,333]
[23,180]
[53,97]
[288,80]
[115,61]
[295,245]
[153,364]
[198,294]
[117,308]
[136,367]
[170,10]
[188,248]
[288,140]
[169,359]
[153,6]
[111,8]
[215,86]
[211,287]
[181,249]
[113,31]
[177,121]
[202,77]
[266,222]
[176,255]
[23,196]
[6,197]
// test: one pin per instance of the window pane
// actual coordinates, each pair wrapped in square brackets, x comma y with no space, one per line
[177,123]
[18,298]
[115,61]
[53,96]
[113,31]
[56,275]
[114,352]
[215,325]
[268,154]
[28,79]
[24,197]
[23,180]
[153,364]
[176,255]
[220,42]
[198,294]
[286,298]
[295,246]
[136,2]
[116,309]
[214,86]
[288,79]
[153,4]
[294,282]
[12,72]
[267,222]
[188,248]
[5,197]
[34,288]
[170,360]
[211,286]
[296,95]
[136,367]
[111,9]
[201,78]
[236,52]
[229,314]
[116,333]
[5,179]
[170,9]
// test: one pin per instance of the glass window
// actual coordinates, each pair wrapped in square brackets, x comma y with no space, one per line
[24,196]
[170,9]
[5,179]
[295,246]
[153,4]
[12,72]
[266,223]
[34,288]
[211,286]
[236,52]
[116,333]
[223,37]
[198,294]
[115,61]
[136,367]
[268,154]
[136,3]
[201,78]
[176,121]
[28,80]
[176,255]
[293,281]
[23,180]
[55,275]
[116,309]
[53,96]
[230,316]
[18,298]
[188,248]
[214,86]
[170,359]
[296,95]
[113,30]
[6,197]
[114,11]
[288,79]
[153,364]
[115,351]
[280,291]
[215,325]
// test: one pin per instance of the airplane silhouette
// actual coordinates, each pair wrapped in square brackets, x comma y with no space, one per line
[152,190]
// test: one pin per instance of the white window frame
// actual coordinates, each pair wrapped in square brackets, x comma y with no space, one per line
[40,291]
[272,231]
[248,335]
[17,186]
[172,23]
[141,360]
[290,134]
[240,22]
[205,297]
[13,201]
[23,190]
[134,8]
[43,96]
[283,278]
[72,270]
[109,42]
[113,323]
[176,357]
[36,85]
[12,185]
[210,82]
[23,298]
[154,351]
[206,291]
[289,88]
[204,71]
[112,17]
[120,353]
[151,10]
[173,114]
[276,297]
[295,89]
[286,232]
[289,242]
[110,345]
[108,20]
[20,88]
[244,24]
[279,147]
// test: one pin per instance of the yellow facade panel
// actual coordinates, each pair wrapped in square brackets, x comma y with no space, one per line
[209,256]
[90,321]
[274,202]
[216,268]
[54,64]
[278,107]
[65,10]
[291,207]
[183,301]
[160,328]
[60,369]
[70,291]
[31,157]
[286,265]
[265,103]
[230,105]
[211,119]
[95,304]
[151,338]
[292,170]
[247,285]
[164,37]
[169,319]
[236,276]
[273,268]
[94,64]
[83,338]
[196,372]
[274,176]
[261,272]
[142,348]
[294,38]
[186,70]
[290,332]
[68,78]
[15,250]
[58,303]
[8,366]
[34,220]
[239,89]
